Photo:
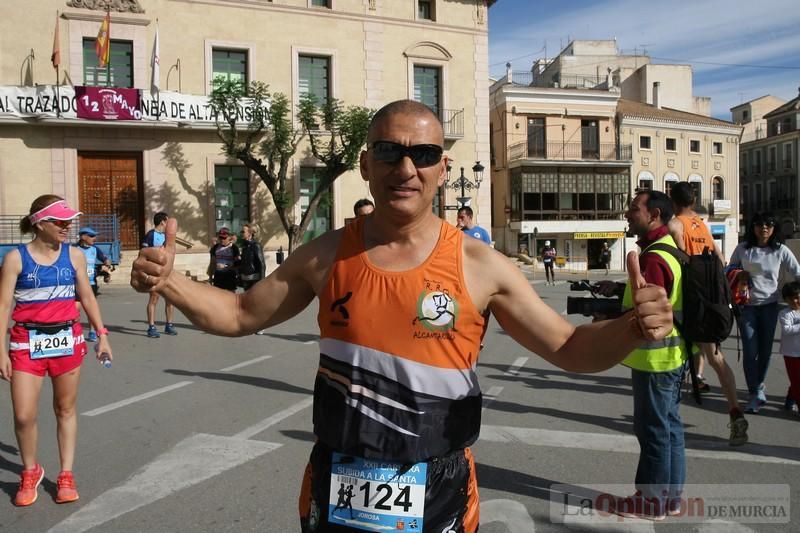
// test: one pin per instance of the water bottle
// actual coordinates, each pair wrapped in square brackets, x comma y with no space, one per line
[105,358]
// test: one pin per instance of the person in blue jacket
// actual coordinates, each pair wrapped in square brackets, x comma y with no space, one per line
[95,259]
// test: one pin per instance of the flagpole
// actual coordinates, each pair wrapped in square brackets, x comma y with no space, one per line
[108,38]
[157,60]
[58,92]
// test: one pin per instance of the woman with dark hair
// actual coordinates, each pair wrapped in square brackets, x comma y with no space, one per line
[44,277]
[762,258]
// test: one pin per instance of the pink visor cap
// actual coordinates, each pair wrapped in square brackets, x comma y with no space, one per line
[57,211]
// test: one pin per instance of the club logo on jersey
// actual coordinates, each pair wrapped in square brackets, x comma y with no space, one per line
[339,308]
[436,311]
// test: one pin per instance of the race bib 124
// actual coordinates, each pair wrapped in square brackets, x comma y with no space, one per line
[376,495]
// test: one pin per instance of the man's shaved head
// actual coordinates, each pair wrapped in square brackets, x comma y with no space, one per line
[399,107]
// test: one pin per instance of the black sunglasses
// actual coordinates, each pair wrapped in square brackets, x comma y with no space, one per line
[422,155]
[767,223]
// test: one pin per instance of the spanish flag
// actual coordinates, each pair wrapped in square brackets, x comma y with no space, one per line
[102,45]
[55,57]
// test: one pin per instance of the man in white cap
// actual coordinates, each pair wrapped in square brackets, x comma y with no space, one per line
[548,258]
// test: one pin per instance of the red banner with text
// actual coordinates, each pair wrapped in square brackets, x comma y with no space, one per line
[108,103]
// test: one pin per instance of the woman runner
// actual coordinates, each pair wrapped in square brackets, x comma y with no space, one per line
[44,276]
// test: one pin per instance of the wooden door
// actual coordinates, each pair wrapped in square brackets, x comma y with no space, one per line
[112,184]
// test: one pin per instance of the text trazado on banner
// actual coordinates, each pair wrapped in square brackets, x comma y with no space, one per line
[44,101]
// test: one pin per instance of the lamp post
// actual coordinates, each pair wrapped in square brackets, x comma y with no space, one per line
[463,184]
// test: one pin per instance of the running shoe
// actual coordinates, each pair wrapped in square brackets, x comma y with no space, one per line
[795,411]
[29,482]
[753,405]
[67,491]
[674,507]
[152,332]
[639,506]
[169,329]
[762,395]
[738,431]
[702,386]
[92,336]
[789,403]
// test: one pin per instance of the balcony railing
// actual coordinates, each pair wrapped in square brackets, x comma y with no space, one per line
[452,123]
[570,151]
[564,81]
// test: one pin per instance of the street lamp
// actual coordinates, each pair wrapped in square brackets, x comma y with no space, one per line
[463,184]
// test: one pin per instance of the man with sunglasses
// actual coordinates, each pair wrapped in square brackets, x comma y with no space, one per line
[403,302]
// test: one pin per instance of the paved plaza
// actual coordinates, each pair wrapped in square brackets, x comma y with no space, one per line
[204,433]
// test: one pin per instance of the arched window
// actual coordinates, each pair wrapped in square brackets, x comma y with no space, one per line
[718,188]
[645,181]
[670,179]
[696,181]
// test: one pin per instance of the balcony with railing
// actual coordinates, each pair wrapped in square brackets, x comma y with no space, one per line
[570,151]
[563,81]
[452,123]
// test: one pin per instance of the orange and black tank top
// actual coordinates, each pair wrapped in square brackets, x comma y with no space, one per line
[696,236]
[398,351]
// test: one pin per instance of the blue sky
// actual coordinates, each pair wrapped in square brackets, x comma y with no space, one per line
[711,35]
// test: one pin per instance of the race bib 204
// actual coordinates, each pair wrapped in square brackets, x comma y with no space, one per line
[43,345]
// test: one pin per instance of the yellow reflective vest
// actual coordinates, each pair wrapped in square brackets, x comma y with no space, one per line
[670,352]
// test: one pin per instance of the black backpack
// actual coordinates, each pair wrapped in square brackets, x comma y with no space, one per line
[707,310]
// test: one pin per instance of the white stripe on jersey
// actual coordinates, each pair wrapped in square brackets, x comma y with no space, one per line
[43,294]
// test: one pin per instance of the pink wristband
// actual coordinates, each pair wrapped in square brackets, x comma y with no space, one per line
[102,331]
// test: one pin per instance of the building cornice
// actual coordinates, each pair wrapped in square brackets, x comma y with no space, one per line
[532,96]
[766,141]
[628,120]
[582,163]
[133,19]
[333,14]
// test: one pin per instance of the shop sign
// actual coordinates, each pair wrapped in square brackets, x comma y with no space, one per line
[599,235]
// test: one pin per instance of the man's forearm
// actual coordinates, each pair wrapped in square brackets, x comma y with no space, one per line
[211,309]
[600,345]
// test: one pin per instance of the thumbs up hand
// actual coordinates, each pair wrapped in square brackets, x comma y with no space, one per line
[650,303]
[154,265]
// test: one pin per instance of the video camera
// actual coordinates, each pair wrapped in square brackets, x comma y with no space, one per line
[607,307]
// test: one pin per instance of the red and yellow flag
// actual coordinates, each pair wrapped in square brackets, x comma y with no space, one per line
[55,57]
[102,45]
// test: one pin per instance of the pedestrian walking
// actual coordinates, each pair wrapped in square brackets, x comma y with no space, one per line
[657,369]
[44,277]
[789,320]
[224,256]
[402,300]
[693,237]
[762,258]
[605,256]
[549,259]
[252,266]
[95,259]
[155,239]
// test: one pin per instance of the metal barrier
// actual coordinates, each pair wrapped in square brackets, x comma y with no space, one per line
[106,226]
